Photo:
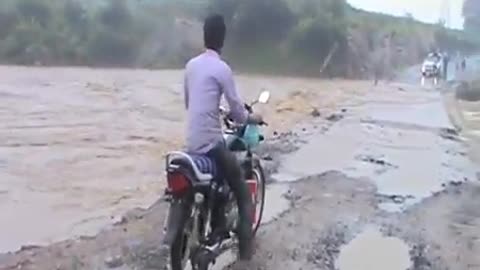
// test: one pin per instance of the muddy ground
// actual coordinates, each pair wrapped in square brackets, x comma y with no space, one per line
[380,181]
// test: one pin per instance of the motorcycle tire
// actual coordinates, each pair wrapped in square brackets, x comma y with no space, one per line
[179,247]
[261,186]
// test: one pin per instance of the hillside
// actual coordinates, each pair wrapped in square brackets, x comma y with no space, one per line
[303,37]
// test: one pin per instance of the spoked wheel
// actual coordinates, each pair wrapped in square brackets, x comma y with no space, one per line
[180,251]
[258,196]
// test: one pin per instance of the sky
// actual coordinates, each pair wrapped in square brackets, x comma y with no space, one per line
[423,10]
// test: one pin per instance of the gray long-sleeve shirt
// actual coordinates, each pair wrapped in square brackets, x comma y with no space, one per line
[207,78]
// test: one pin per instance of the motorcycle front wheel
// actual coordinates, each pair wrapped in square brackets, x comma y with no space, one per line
[259,200]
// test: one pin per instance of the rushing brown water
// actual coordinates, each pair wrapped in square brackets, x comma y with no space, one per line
[80,147]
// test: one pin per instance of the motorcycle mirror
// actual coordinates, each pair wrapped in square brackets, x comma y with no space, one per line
[264,97]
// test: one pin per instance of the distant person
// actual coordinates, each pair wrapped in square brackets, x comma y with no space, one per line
[445,59]
[378,66]
[463,65]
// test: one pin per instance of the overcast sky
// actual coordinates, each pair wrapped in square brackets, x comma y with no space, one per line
[424,10]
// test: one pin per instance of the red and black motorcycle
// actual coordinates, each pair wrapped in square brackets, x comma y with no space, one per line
[196,197]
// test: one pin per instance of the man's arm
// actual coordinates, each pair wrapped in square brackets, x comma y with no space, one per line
[237,107]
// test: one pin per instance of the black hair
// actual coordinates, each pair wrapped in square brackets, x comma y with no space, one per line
[214,31]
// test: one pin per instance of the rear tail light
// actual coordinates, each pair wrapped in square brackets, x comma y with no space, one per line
[177,183]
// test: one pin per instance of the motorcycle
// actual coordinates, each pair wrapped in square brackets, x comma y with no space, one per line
[197,197]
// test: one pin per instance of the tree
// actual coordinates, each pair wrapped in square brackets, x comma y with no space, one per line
[32,10]
[262,21]
[116,15]
[471,13]
[75,15]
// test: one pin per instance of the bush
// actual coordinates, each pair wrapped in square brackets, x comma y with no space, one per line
[262,21]
[111,48]
[34,11]
[116,16]
[267,35]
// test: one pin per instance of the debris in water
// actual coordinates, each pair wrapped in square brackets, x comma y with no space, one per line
[449,134]
[114,261]
[267,157]
[456,183]
[29,247]
[335,117]
[419,257]
[373,160]
[315,113]
[373,251]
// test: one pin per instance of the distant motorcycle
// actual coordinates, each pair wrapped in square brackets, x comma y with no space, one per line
[197,196]
[432,69]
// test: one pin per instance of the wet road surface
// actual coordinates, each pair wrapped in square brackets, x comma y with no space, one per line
[400,144]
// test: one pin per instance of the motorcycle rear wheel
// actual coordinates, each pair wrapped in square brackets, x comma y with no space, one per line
[180,250]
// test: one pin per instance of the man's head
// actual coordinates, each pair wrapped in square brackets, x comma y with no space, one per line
[214,31]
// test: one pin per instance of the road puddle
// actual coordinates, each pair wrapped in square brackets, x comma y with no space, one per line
[373,251]
[396,144]
[275,202]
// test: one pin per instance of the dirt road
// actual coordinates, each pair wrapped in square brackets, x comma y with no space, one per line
[380,180]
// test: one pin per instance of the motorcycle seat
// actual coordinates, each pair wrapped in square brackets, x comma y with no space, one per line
[203,167]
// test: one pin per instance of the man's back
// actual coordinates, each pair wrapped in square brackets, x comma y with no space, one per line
[207,77]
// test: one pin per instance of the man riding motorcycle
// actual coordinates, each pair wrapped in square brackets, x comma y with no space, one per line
[207,78]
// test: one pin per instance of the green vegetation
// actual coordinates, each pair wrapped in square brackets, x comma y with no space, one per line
[299,36]
[471,12]
[277,36]
[70,32]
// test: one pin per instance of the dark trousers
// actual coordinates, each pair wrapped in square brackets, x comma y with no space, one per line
[230,169]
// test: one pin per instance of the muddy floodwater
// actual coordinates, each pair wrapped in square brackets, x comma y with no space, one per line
[80,147]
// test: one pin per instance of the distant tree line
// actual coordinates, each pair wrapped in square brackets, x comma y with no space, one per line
[72,32]
[278,36]
[471,13]
[297,36]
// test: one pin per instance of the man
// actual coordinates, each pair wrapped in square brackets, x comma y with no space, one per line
[207,78]
[446,60]
[464,64]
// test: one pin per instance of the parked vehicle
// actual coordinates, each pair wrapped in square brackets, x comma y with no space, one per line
[432,68]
